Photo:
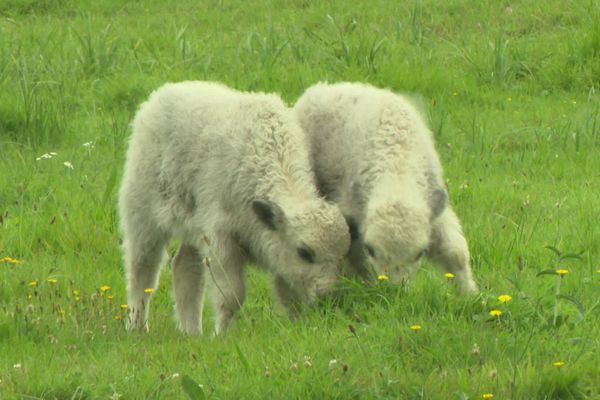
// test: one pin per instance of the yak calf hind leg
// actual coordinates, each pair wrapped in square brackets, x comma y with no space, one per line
[188,287]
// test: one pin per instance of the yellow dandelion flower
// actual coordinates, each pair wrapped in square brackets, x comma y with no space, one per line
[488,395]
[382,277]
[495,313]
[10,260]
[105,288]
[52,280]
[415,327]
[110,297]
[505,298]
[148,290]
[558,364]
[61,312]
[449,275]
[124,306]
[33,283]
[562,272]
[118,317]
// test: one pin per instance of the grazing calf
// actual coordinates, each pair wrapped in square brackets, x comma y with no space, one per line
[374,156]
[227,173]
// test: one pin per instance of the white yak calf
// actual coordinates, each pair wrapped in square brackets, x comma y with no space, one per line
[227,173]
[374,156]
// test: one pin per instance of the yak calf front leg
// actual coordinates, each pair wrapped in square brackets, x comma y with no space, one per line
[449,248]
[143,261]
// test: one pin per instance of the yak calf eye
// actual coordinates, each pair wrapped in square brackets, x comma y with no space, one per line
[370,250]
[306,254]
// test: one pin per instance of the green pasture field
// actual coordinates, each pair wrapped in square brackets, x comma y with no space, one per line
[511,92]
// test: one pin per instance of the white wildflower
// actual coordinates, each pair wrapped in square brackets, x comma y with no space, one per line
[46,156]
[307,361]
[89,145]
[68,164]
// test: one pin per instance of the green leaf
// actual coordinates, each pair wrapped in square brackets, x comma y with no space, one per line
[515,283]
[110,185]
[573,300]
[577,256]
[242,357]
[547,272]
[192,388]
[556,251]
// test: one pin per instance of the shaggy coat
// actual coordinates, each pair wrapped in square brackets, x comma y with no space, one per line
[374,156]
[226,173]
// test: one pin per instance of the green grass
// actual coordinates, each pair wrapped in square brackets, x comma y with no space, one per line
[511,92]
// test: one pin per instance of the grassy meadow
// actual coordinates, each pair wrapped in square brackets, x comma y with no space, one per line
[511,92]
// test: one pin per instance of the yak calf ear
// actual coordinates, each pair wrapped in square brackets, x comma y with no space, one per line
[268,213]
[438,202]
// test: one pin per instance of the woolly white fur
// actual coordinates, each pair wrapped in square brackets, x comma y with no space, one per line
[374,156]
[199,156]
